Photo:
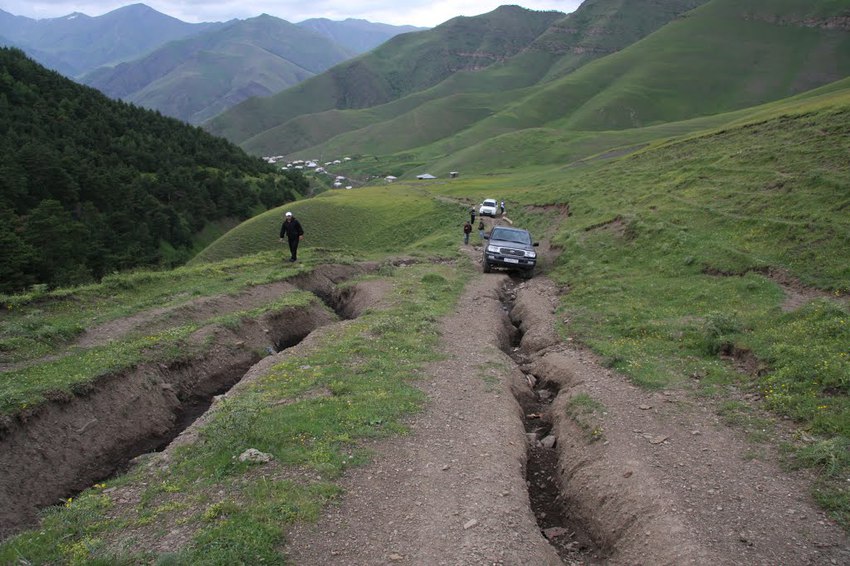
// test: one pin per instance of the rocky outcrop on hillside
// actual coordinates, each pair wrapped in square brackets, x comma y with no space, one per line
[841,22]
[602,27]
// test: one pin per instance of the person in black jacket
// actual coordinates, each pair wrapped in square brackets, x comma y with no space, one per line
[294,233]
[467,230]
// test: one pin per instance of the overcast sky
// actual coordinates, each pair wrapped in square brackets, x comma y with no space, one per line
[425,13]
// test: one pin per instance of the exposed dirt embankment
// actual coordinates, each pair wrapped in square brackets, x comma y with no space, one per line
[64,445]
[657,478]
[67,444]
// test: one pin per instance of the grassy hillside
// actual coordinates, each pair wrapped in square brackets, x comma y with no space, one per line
[721,57]
[679,257]
[362,223]
[715,60]
[341,226]
[535,147]
[403,65]
[703,219]
[596,29]
[602,27]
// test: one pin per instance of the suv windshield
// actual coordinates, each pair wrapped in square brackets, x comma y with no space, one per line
[510,235]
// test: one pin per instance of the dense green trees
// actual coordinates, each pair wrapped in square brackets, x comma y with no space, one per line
[89,185]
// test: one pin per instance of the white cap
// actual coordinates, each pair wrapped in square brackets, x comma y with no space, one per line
[288,214]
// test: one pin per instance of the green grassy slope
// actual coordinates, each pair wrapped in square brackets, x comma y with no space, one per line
[715,60]
[534,147]
[403,65]
[722,57]
[602,27]
[336,213]
[672,260]
[596,29]
[363,222]
[668,253]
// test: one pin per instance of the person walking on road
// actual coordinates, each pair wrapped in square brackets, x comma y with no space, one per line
[481,228]
[293,232]
[467,230]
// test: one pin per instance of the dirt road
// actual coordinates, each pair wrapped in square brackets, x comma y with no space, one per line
[650,477]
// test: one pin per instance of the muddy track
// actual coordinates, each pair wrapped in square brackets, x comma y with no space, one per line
[502,469]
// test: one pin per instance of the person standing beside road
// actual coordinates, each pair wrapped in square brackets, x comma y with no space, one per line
[467,230]
[472,215]
[503,208]
[294,233]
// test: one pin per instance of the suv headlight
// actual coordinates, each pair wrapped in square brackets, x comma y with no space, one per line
[493,249]
[531,254]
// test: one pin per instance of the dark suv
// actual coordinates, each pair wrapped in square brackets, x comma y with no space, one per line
[510,248]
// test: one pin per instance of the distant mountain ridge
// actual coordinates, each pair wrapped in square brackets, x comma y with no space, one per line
[77,44]
[196,78]
[189,71]
[356,35]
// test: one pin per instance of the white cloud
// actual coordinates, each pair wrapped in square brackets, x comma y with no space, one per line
[411,12]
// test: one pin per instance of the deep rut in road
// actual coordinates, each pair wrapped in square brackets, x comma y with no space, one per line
[566,535]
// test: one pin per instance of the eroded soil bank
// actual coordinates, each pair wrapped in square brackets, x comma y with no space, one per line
[648,477]
[657,478]
[65,445]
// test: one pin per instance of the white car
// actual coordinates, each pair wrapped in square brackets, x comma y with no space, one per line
[488,208]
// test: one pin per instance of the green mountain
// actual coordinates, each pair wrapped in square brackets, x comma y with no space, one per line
[76,44]
[196,78]
[403,65]
[611,66]
[89,185]
[464,98]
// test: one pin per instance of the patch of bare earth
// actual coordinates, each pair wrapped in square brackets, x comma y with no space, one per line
[653,478]
[452,491]
[797,294]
